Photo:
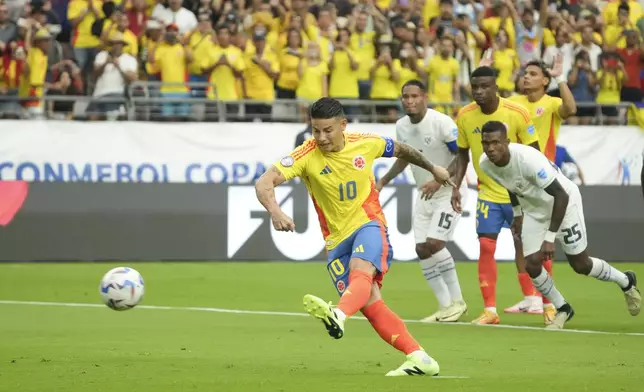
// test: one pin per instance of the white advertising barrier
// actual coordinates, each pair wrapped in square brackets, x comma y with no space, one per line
[237,153]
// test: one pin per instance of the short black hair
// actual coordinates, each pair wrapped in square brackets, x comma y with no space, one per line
[541,65]
[484,71]
[223,26]
[494,126]
[325,108]
[415,82]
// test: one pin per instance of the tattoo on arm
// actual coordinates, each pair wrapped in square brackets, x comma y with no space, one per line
[514,199]
[412,156]
[458,167]
[559,207]
[396,169]
[265,189]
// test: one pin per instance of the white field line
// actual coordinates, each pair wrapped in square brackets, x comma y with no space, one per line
[292,314]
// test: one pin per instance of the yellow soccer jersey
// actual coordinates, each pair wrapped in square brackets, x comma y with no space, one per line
[341,184]
[470,120]
[547,121]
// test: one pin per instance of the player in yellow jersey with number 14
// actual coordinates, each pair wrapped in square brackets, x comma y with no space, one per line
[336,167]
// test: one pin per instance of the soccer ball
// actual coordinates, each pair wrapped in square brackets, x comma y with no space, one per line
[122,288]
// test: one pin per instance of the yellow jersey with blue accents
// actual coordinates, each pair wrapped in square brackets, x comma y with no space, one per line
[520,129]
[546,119]
[341,184]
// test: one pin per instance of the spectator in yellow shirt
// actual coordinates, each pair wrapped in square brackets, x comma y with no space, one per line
[200,41]
[82,14]
[289,61]
[506,63]
[443,76]
[385,74]
[172,59]
[610,78]
[34,71]
[313,73]
[412,68]
[344,66]
[614,37]
[363,45]
[225,66]
[262,69]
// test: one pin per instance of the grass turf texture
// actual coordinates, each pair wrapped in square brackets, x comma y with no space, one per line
[97,349]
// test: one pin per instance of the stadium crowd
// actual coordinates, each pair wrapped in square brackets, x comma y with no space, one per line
[226,51]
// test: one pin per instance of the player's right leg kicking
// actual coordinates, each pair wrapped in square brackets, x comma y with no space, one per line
[573,240]
[434,222]
[357,267]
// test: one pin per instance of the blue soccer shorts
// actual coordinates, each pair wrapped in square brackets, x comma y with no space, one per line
[371,243]
[492,217]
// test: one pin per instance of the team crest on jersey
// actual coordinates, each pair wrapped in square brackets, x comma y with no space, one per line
[287,161]
[359,162]
[428,140]
[341,286]
[539,111]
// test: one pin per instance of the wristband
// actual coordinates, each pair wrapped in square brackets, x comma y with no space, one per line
[560,79]
[516,210]
[550,236]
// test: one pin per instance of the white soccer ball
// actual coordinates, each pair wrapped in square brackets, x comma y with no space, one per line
[122,288]
[571,172]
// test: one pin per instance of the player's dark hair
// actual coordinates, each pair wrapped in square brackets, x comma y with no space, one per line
[542,66]
[325,108]
[483,71]
[494,126]
[417,83]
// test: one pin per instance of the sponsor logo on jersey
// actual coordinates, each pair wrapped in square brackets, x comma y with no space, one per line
[476,130]
[287,161]
[542,174]
[359,162]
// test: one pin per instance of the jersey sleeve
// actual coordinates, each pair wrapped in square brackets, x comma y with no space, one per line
[526,131]
[382,146]
[461,140]
[538,170]
[294,164]
[449,132]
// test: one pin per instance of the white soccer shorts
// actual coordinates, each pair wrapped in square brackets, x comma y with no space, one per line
[572,234]
[434,218]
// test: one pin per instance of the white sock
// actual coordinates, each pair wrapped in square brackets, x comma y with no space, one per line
[603,271]
[546,286]
[447,268]
[435,280]
[340,315]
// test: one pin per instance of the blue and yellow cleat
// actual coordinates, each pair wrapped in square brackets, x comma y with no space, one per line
[319,309]
[417,364]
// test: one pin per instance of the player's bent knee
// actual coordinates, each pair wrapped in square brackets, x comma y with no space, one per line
[533,265]
[580,263]
[434,245]
[362,265]
[375,295]
[423,251]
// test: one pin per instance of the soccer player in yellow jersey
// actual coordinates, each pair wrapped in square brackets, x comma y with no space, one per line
[336,167]
[493,208]
[547,114]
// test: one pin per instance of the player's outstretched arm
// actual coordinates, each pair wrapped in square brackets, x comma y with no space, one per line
[415,157]
[265,191]
[395,169]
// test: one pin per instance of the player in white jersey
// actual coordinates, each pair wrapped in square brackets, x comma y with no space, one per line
[547,206]
[434,134]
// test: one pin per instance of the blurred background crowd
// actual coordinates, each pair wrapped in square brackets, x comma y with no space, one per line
[268,59]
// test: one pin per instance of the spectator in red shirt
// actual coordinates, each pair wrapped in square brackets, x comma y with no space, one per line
[137,16]
[633,58]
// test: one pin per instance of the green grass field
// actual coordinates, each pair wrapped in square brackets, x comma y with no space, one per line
[74,349]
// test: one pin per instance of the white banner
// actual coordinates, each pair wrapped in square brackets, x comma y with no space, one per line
[237,152]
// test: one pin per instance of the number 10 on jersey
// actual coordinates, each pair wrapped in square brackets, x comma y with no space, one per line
[348,191]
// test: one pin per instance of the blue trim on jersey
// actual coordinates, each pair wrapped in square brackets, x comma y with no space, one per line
[452,146]
[389,147]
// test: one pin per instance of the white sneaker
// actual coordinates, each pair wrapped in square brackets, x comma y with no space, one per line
[531,306]
[564,314]
[434,317]
[418,363]
[453,313]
